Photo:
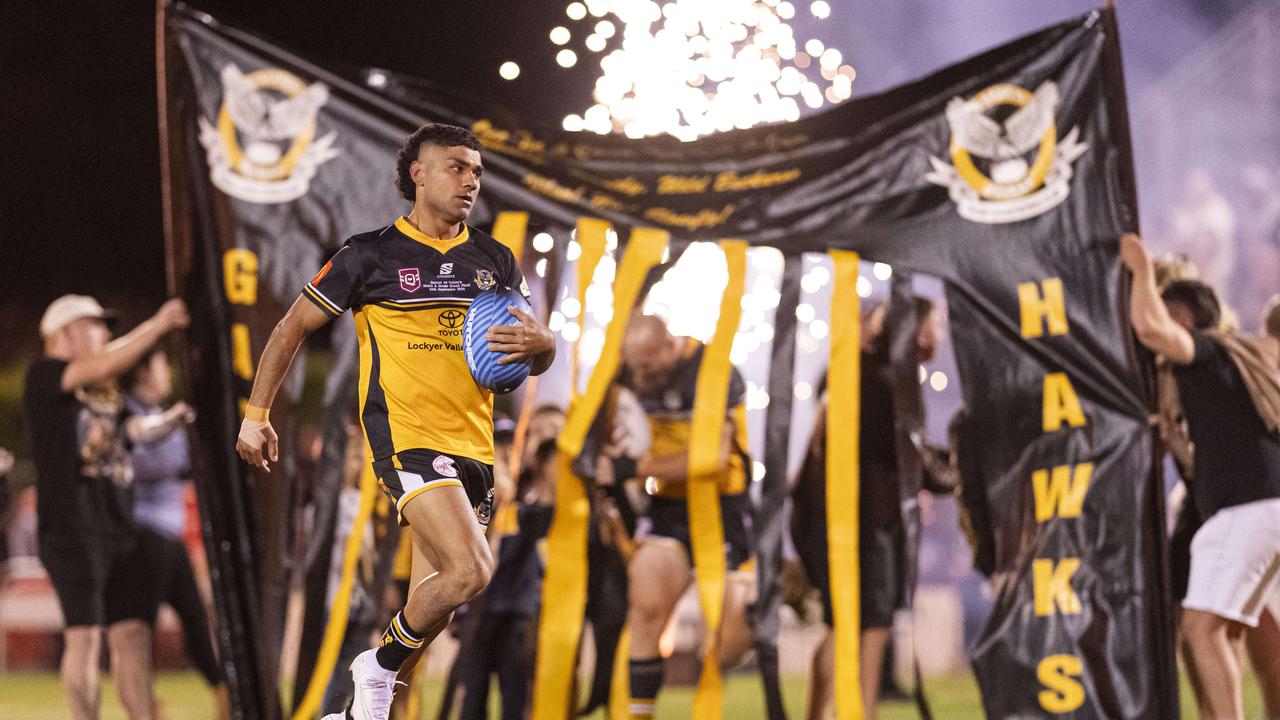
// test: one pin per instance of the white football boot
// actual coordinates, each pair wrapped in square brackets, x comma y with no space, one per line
[374,687]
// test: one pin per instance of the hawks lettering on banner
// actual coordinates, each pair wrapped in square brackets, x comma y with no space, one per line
[240,283]
[1059,495]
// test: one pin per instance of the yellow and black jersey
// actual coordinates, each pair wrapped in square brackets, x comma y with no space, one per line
[671,417]
[409,293]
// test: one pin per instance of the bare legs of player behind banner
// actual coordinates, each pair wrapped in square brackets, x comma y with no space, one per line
[660,573]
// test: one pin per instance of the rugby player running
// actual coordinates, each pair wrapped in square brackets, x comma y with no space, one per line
[428,424]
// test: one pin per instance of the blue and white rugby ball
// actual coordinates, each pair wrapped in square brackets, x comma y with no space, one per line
[488,309]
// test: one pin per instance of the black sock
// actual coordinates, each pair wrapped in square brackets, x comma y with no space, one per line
[646,680]
[398,643]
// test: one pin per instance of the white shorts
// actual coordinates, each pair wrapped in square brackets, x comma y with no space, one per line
[1235,562]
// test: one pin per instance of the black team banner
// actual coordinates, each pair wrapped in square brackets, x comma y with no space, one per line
[1007,175]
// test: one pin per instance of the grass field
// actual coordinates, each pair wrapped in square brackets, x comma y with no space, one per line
[183,697]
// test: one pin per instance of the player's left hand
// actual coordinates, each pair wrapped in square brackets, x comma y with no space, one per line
[523,342]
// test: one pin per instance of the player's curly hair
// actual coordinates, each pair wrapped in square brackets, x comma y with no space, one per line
[438,134]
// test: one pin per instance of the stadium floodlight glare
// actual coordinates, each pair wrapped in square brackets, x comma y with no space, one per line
[863,287]
[567,58]
[543,242]
[689,68]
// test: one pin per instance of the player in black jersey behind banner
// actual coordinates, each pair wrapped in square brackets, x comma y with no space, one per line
[428,424]
[662,370]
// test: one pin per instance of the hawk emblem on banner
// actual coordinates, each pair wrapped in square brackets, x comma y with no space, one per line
[1007,166]
[263,148]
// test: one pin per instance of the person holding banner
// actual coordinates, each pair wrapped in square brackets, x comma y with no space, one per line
[662,370]
[427,422]
[89,542]
[1232,409]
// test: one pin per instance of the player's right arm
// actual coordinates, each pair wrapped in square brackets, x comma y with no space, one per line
[258,441]
[674,468]
[337,287]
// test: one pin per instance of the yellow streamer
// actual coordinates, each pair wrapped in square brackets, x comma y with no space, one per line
[710,408]
[592,237]
[620,684]
[644,250]
[564,588]
[340,609]
[843,418]
[509,229]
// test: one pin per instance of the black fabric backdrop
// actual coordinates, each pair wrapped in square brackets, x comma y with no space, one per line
[267,162]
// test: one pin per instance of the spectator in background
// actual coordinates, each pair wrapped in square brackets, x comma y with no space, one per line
[546,423]
[506,626]
[6,464]
[1258,242]
[1263,642]
[160,468]
[1271,325]
[1231,404]
[84,476]
[1203,229]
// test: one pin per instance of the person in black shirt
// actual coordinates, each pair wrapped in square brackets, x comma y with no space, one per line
[1235,555]
[882,556]
[75,414]
[661,370]
[502,640]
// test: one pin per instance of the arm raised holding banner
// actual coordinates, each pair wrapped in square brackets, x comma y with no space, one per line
[1157,329]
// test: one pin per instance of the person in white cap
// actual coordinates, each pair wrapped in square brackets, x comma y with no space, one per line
[75,414]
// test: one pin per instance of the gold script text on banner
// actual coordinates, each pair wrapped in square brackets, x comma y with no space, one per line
[564,587]
[843,418]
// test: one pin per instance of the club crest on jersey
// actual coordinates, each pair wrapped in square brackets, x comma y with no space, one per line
[262,148]
[1007,165]
[484,279]
[410,279]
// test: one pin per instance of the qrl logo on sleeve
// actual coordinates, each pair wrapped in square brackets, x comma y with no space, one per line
[410,279]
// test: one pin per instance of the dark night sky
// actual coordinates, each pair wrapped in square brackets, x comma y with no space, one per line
[80,209]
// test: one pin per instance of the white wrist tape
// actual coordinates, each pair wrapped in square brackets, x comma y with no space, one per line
[251,432]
